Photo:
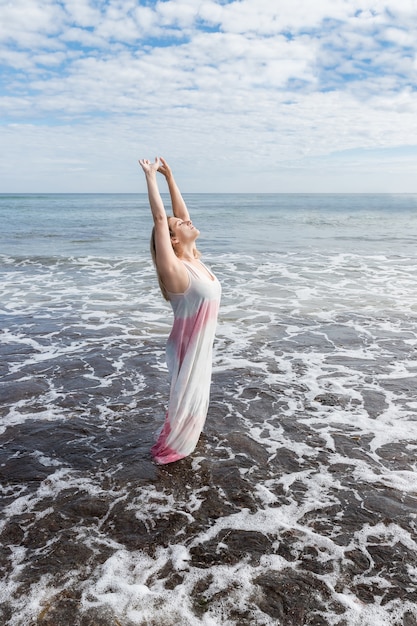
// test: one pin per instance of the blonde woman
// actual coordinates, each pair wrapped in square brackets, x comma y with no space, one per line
[194,294]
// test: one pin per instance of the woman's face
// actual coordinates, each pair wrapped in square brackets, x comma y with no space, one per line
[183,230]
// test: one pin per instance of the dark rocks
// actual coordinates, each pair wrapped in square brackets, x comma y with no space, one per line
[293,598]
[230,547]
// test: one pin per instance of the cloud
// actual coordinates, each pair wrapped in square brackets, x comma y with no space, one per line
[82,13]
[256,84]
[28,24]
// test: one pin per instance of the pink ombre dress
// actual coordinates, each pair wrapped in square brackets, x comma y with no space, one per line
[189,359]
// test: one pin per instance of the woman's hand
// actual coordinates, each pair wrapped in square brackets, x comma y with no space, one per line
[164,168]
[148,167]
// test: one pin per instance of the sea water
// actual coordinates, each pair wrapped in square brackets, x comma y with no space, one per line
[299,505]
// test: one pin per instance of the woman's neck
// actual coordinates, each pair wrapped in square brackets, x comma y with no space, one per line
[187,255]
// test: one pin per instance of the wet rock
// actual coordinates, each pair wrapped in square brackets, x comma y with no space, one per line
[342,469]
[58,557]
[246,446]
[359,562]
[311,561]
[296,431]
[12,534]
[374,402]
[23,468]
[367,593]
[286,460]
[214,506]
[60,610]
[409,619]
[332,399]
[74,506]
[6,613]
[288,547]
[292,598]
[15,391]
[353,447]
[398,456]
[230,547]
[199,600]
[367,366]
[173,580]
[64,610]
[393,559]
[400,591]
[123,526]
[237,489]
[166,527]
[401,386]
[388,505]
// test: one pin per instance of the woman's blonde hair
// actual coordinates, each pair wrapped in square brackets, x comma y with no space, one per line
[162,287]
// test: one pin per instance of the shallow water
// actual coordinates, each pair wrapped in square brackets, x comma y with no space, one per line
[299,505]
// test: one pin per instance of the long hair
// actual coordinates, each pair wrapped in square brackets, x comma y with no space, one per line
[162,287]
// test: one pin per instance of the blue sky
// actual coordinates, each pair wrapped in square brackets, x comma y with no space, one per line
[248,95]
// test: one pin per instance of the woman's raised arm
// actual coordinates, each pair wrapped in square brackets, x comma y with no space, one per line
[171,270]
[179,208]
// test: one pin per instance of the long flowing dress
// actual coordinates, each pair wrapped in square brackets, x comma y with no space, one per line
[189,360]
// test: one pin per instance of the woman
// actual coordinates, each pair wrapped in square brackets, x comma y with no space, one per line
[194,293]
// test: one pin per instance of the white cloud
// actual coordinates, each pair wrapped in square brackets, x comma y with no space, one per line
[16,59]
[179,13]
[146,19]
[399,36]
[208,83]
[86,38]
[26,23]
[82,13]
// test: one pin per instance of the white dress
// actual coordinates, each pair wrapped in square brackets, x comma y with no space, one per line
[189,359]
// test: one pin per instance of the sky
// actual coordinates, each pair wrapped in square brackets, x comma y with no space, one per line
[254,96]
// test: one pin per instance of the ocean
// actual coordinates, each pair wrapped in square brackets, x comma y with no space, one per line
[299,505]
